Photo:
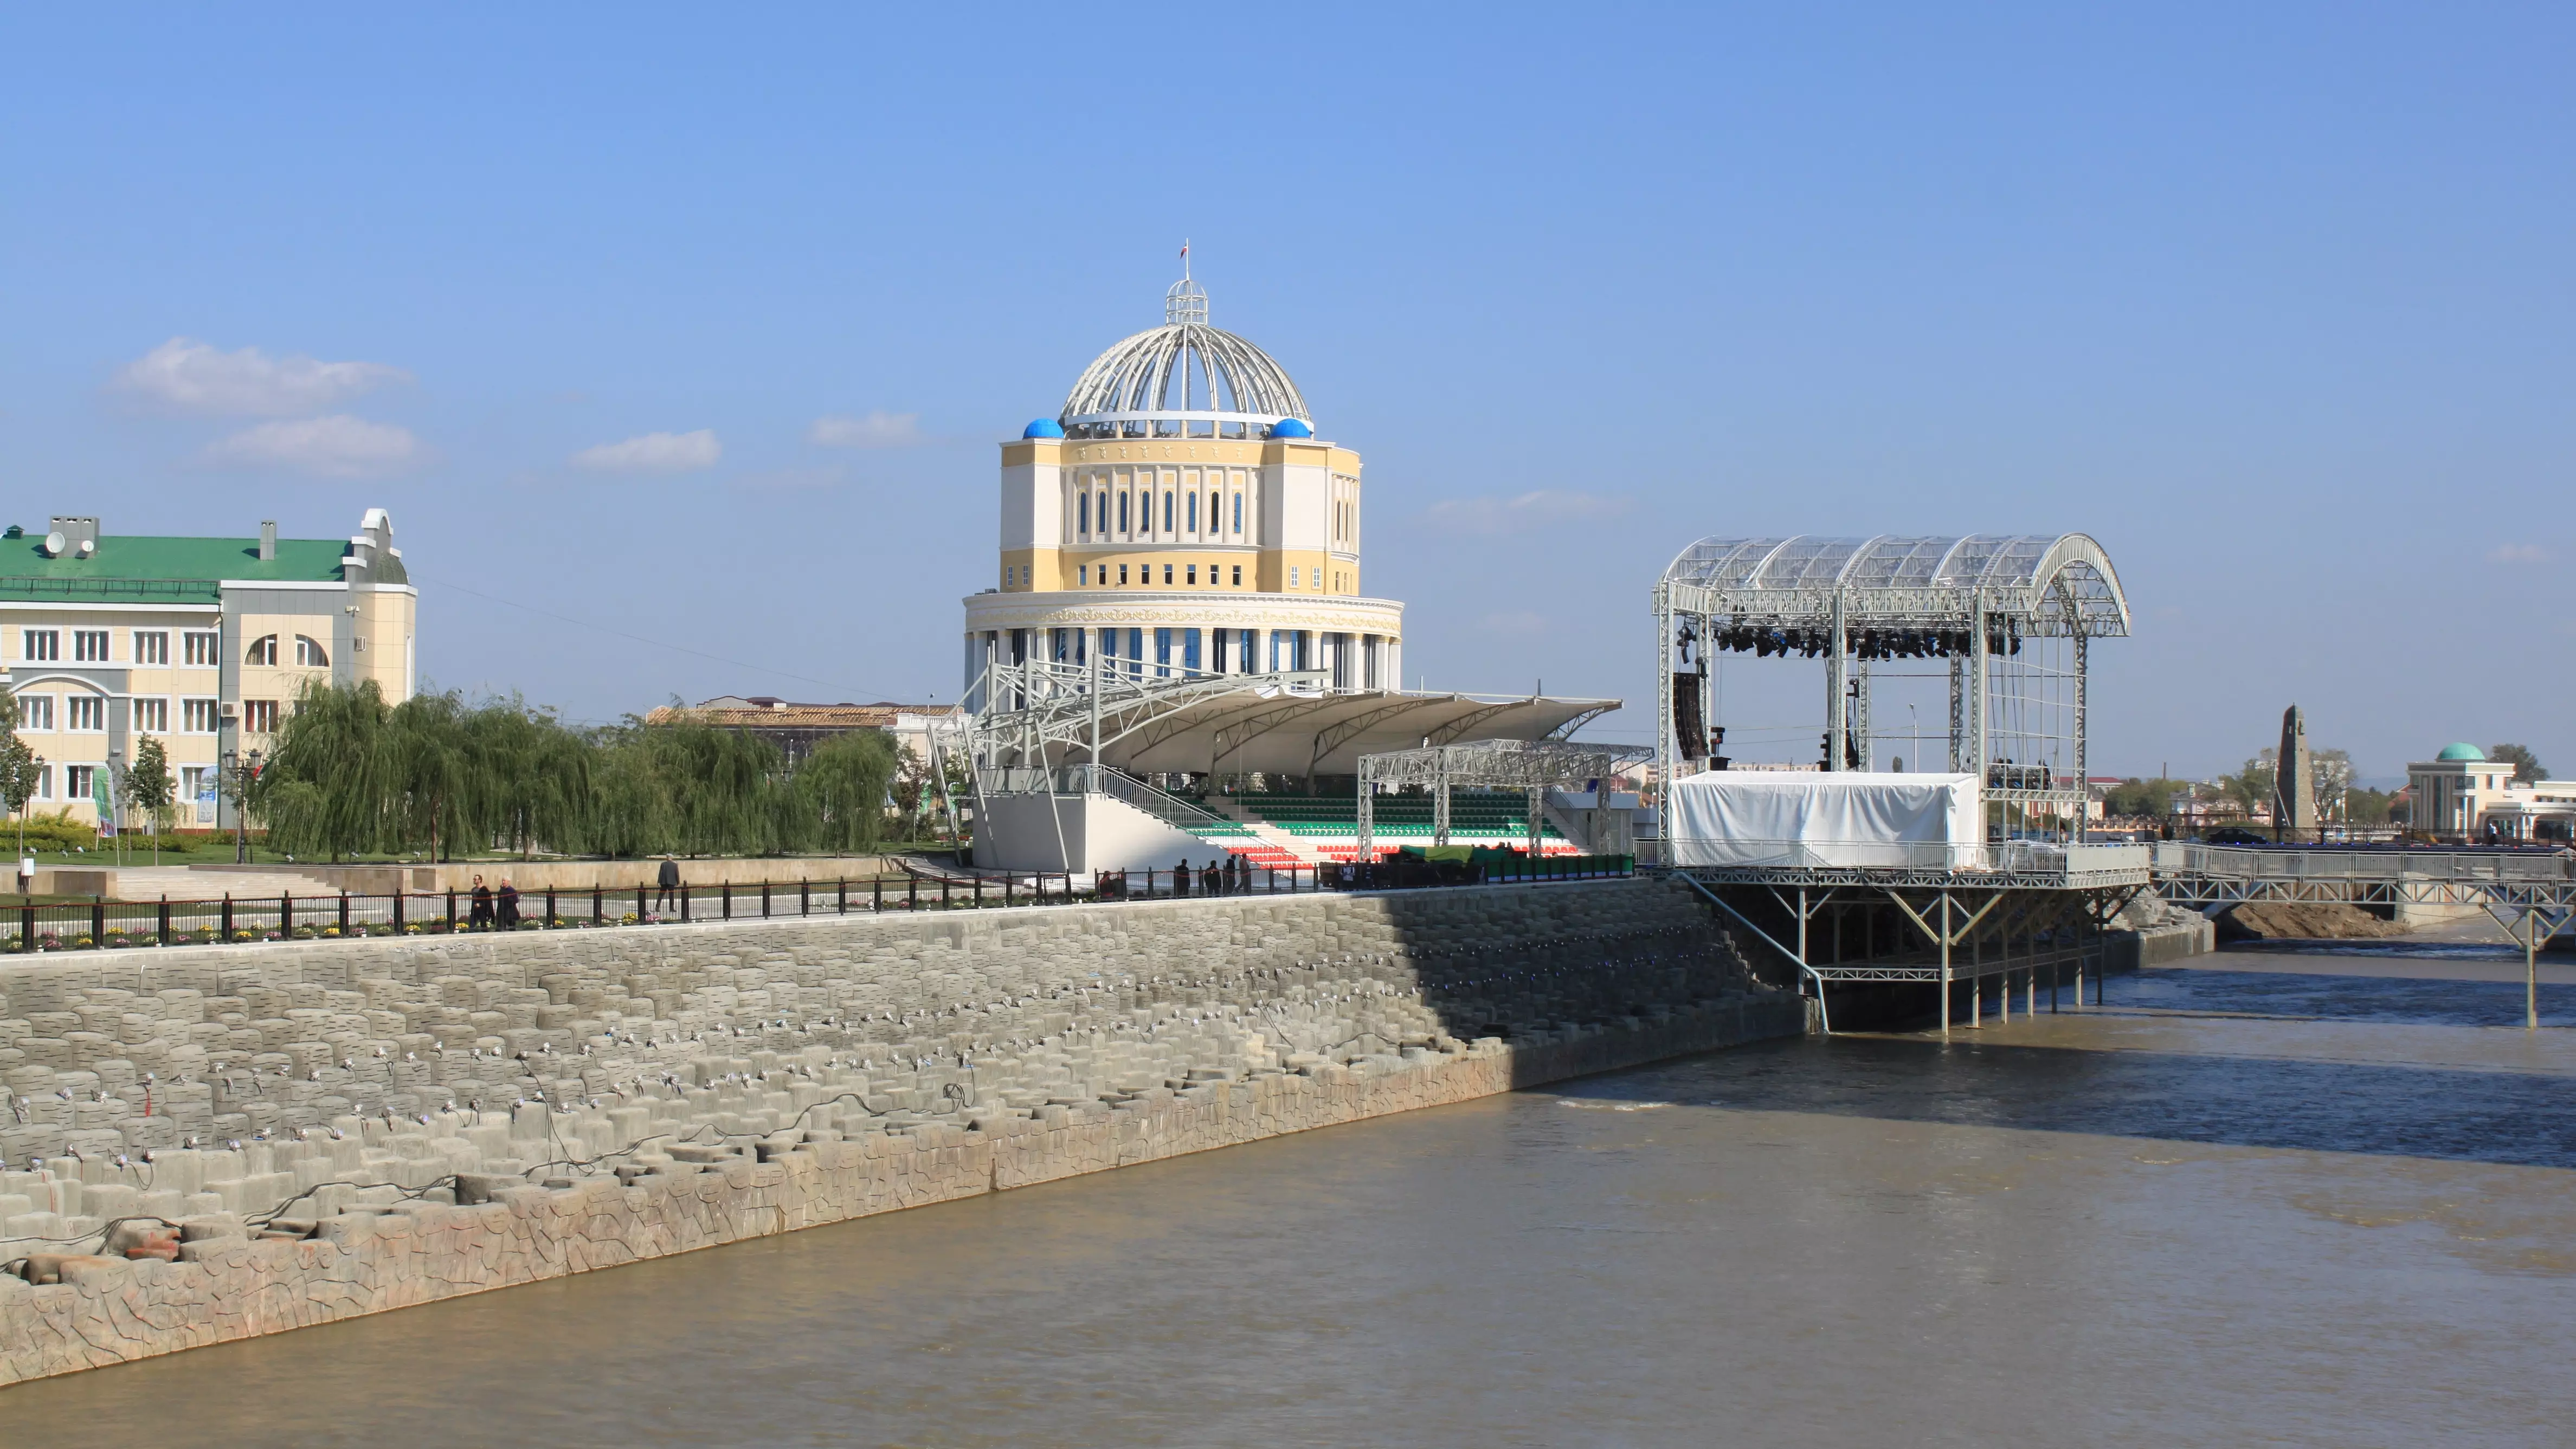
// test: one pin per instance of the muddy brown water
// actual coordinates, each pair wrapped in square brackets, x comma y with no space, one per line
[2279,1197]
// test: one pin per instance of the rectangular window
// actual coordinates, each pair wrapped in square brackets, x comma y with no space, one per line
[152,716]
[259,716]
[1082,574]
[35,711]
[1122,573]
[1238,513]
[76,781]
[1194,513]
[198,646]
[1238,576]
[1190,650]
[89,646]
[1085,524]
[1167,513]
[1193,575]
[1162,654]
[87,711]
[198,716]
[1122,513]
[45,782]
[1292,577]
[40,646]
[151,646]
[197,792]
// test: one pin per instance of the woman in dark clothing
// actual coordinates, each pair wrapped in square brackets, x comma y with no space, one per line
[481,915]
[507,916]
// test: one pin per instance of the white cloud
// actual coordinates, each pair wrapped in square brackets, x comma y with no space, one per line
[188,376]
[654,453]
[876,430]
[1528,512]
[2518,553]
[338,446]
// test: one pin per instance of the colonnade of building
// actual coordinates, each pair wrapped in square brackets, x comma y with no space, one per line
[1350,661]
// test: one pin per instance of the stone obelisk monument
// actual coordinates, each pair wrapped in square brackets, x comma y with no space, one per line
[2294,787]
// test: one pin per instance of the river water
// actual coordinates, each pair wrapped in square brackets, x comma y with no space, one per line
[2269,1198]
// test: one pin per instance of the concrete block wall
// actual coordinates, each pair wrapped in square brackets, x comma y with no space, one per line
[313,1093]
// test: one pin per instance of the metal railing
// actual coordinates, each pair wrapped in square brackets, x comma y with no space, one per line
[2463,864]
[2002,857]
[102,924]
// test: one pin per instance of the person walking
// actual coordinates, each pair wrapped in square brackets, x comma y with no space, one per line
[1181,877]
[506,913]
[480,916]
[668,878]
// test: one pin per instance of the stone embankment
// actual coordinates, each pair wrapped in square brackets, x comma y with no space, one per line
[339,1128]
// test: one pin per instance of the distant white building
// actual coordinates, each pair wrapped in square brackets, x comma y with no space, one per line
[2461,794]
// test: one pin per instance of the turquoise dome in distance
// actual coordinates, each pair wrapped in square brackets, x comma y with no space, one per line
[1290,428]
[1043,428]
[2461,752]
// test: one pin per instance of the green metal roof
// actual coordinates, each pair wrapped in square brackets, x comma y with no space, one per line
[135,569]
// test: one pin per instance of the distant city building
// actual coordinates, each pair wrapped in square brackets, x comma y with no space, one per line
[1179,516]
[202,643]
[2461,794]
[797,728]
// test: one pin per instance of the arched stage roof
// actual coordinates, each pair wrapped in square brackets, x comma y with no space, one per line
[2051,584]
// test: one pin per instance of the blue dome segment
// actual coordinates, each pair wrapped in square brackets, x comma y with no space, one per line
[2461,752]
[1290,428]
[1043,428]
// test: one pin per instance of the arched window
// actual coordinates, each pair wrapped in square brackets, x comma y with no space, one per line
[1086,515]
[1167,513]
[1122,513]
[262,651]
[308,653]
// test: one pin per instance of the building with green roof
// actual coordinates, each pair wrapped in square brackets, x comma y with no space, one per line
[202,643]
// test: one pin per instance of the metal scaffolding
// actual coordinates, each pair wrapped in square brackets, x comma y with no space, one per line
[1531,766]
[2011,615]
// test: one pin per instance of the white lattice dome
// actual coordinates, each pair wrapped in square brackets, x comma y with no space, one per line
[1182,379]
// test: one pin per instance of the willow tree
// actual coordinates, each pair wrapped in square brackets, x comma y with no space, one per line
[328,786]
[844,780]
[434,794]
[531,776]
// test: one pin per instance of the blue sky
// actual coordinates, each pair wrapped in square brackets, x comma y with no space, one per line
[2276,305]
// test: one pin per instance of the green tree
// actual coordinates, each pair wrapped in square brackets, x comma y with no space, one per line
[2527,769]
[844,781]
[149,788]
[22,770]
[2251,787]
[2365,806]
[433,793]
[327,786]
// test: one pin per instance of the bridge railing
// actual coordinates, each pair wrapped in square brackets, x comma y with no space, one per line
[2000,857]
[2465,866]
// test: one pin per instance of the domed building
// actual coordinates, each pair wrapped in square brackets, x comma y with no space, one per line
[1178,516]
